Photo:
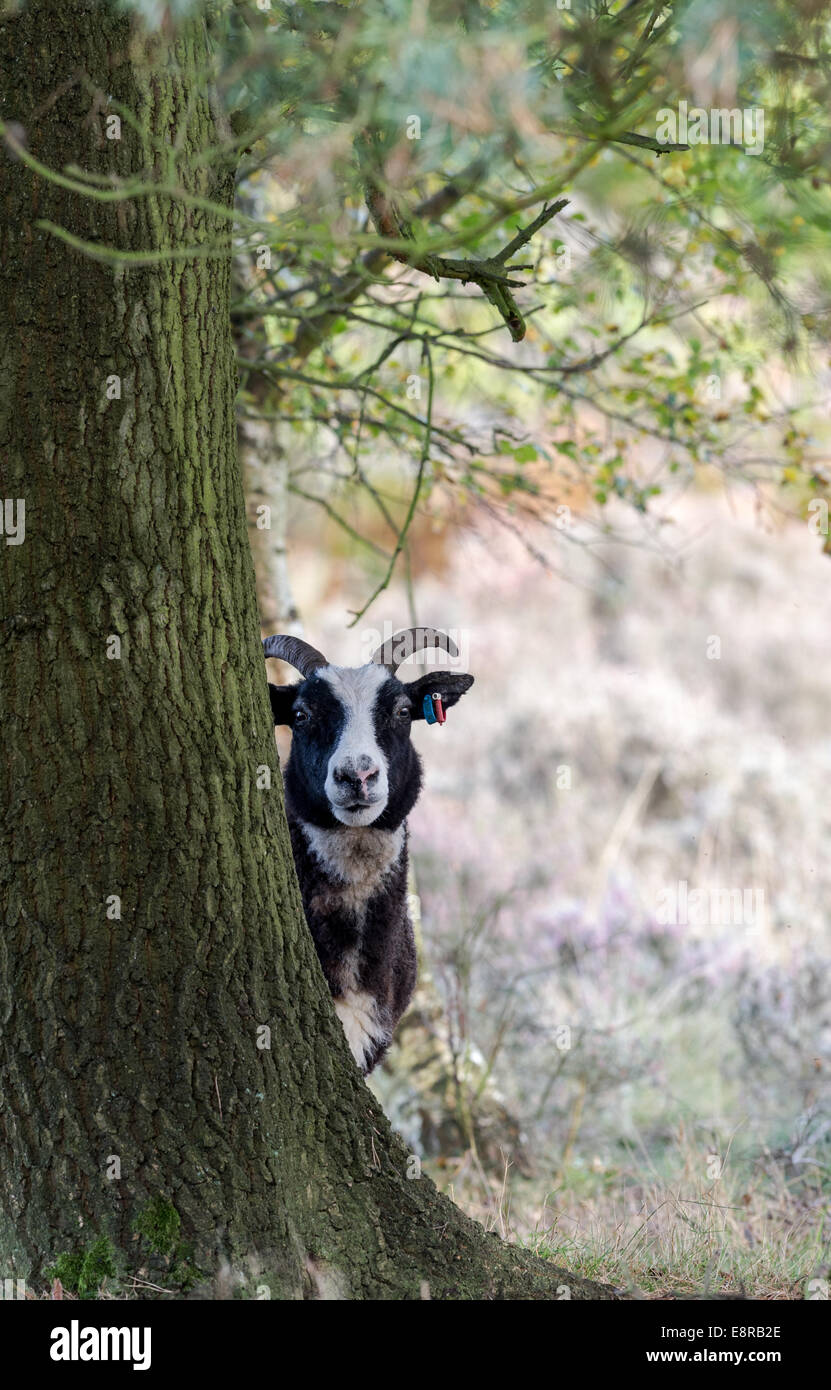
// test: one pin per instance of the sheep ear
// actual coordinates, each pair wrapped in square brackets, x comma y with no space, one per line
[450,685]
[282,701]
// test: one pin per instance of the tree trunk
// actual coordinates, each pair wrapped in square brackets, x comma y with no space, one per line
[151,927]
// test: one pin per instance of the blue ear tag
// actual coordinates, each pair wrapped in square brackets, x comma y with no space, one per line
[433,709]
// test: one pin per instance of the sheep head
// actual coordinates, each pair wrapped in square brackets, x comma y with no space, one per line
[352,760]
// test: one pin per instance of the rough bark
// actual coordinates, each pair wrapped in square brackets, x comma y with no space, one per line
[136,1037]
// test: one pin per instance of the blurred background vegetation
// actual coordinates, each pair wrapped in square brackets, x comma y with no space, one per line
[512,366]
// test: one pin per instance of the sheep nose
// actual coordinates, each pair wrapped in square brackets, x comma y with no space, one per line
[361,778]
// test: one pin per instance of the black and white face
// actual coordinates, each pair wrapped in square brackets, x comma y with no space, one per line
[358,771]
[352,761]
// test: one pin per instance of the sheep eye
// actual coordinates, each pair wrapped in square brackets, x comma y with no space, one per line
[403,712]
[301,717]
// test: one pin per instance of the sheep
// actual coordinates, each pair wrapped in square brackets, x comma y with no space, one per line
[352,779]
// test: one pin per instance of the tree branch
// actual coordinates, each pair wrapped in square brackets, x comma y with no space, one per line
[345,290]
[491,274]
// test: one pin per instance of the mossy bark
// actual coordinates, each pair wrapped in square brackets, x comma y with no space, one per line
[131,1064]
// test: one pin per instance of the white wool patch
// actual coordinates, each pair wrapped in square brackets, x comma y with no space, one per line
[358,1013]
[357,690]
[357,857]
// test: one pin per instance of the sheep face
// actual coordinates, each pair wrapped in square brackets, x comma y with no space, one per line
[352,760]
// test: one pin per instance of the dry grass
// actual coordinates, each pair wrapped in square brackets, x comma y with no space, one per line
[767,1238]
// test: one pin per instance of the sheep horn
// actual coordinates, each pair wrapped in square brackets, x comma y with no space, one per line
[295,652]
[409,640]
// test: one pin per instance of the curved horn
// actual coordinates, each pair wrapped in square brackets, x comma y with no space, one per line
[295,652]
[409,640]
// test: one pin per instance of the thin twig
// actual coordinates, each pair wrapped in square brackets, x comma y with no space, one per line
[422,465]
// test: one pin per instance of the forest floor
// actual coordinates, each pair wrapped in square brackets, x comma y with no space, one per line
[764,1239]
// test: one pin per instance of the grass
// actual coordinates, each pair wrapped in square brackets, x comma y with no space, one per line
[759,1233]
